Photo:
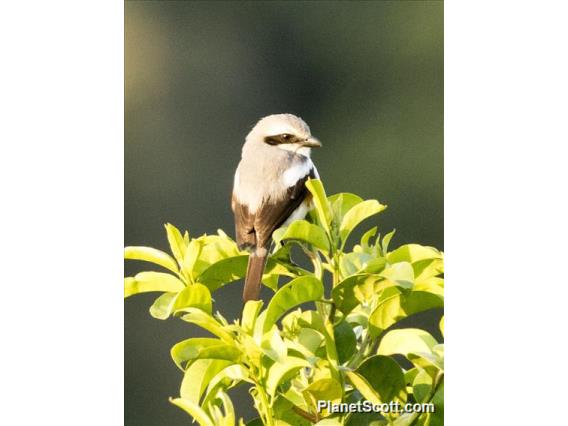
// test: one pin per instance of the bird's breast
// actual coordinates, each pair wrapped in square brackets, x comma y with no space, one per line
[296,172]
[259,179]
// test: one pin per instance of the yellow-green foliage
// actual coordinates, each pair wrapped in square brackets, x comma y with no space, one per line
[341,351]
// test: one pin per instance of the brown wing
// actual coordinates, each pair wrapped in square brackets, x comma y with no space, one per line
[244,225]
[273,213]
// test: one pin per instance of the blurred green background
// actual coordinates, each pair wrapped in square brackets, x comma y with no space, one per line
[366,76]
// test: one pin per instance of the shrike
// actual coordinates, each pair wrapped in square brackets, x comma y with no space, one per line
[269,188]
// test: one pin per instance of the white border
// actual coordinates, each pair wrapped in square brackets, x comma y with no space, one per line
[61,224]
[61,219]
[506,212]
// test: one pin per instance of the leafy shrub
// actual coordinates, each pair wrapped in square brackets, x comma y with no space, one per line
[344,350]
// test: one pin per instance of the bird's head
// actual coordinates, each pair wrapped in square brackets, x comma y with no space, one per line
[283,131]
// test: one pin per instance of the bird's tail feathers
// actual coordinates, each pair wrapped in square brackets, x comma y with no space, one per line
[255,269]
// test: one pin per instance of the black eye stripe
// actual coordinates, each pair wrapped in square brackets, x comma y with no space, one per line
[272,140]
[280,139]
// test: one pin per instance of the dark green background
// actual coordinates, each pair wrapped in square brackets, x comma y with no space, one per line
[366,76]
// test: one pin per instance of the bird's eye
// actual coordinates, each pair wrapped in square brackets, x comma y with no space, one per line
[283,138]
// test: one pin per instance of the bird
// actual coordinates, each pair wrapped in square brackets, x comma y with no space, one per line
[269,188]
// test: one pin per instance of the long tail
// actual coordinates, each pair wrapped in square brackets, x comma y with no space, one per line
[255,269]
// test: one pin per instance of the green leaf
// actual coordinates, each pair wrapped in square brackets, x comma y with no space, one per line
[250,313]
[426,419]
[191,254]
[313,320]
[367,236]
[152,281]
[197,377]
[307,342]
[364,387]
[430,363]
[406,340]
[163,306]
[225,379]
[409,375]
[270,281]
[335,420]
[220,419]
[194,296]
[413,253]
[224,271]
[393,305]
[310,339]
[408,419]
[304,231]
[426,269]
[189,349]
[345,341]
[437,417]
[194,410]
[343,294]
[434,285]
[203,348]
[229,418]
[321,203]
[385,376]
[386,241]
[438,351]
[177,243]
[343,202]
[284,414]
[354,262]
[234,268]
[207,322]
[357,289]
[273,346]
[422,386]
[298,291]
[279,372]
[358,214]
[400,273]
[326,389]
[368,419]
[442,325]
[293,393]
[375,265]
[149,254]
[214,249]
[331,347]
[277,236]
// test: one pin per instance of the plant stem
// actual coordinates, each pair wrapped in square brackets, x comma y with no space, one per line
[433,391]
[362,352]
[337,272]
[309,417]
[269,421]
[318,272]
[316,261]
[321,309]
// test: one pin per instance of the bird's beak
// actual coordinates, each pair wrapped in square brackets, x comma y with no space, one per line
[311,142]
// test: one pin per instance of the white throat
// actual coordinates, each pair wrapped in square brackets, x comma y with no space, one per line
[302,150]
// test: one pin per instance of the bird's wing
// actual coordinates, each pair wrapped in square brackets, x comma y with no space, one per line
[244,224]
[273,213]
